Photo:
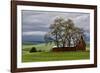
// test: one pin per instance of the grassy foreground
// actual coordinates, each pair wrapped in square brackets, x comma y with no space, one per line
[46,55]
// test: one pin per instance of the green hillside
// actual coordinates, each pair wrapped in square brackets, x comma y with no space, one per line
[47,55]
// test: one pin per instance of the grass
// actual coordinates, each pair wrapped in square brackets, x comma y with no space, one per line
[54,56]
[46,55]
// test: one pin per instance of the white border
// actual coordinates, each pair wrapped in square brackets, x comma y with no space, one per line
[52,63]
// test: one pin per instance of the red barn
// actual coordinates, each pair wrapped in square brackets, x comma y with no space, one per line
[80,46]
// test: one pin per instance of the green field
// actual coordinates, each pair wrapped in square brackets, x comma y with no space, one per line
[47,55]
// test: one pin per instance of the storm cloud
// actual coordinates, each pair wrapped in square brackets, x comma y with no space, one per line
[36,23]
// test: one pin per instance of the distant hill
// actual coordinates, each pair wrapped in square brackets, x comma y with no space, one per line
[32,42]
[40,39]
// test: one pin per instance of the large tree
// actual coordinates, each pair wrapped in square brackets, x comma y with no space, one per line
[64,33]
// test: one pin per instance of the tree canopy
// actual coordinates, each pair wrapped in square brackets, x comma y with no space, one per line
[64,33]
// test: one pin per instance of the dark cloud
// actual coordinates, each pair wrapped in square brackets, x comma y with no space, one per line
[35,21]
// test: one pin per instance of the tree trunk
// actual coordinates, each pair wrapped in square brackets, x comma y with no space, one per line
[57,43]
[64,44]
[68,43]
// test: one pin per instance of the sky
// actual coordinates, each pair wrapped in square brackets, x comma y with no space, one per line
[35,24]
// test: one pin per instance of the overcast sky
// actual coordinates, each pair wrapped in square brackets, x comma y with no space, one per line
[36,23]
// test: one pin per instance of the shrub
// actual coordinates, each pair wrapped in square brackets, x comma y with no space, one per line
[33,49]
[39,50]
